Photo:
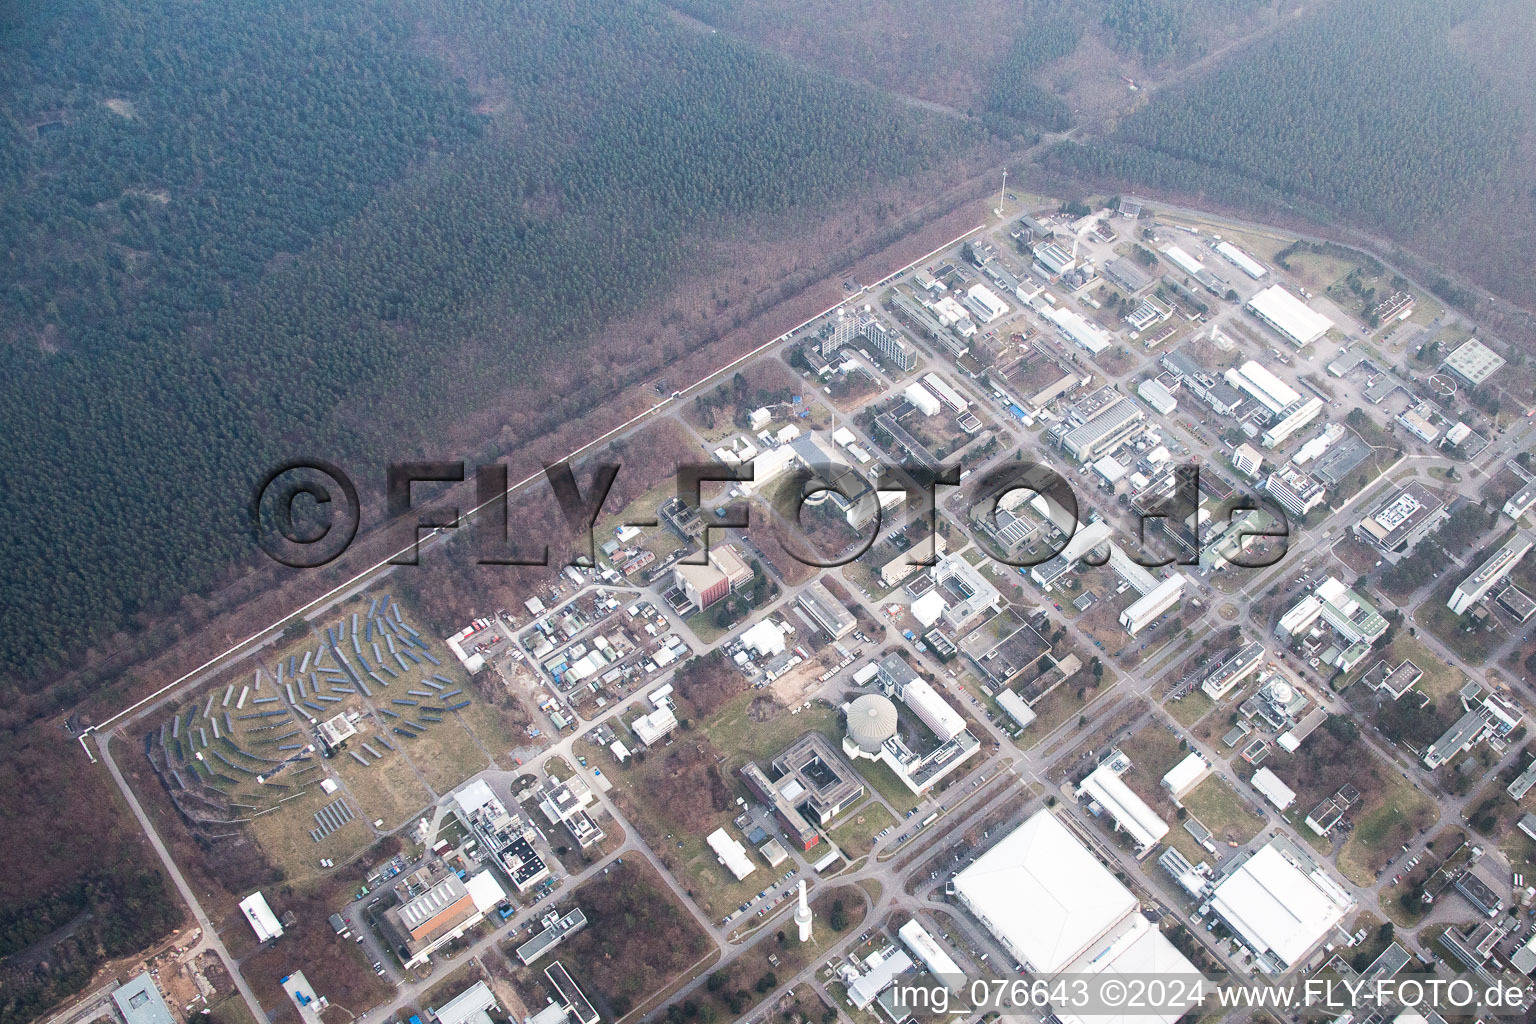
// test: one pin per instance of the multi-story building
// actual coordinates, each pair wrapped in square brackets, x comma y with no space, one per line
[1498,565]
[1232,670]
[1297,492]
[1100,434]
[920,772]
[1403,519]
[1521,501]
[1356,621]
[1162,597]
[1223,398]
[1484,715]
[825,610]
[1292,418]
[703,585]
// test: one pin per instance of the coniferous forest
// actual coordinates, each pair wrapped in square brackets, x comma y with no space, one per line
[240,231]
[1324,116]
[229,224]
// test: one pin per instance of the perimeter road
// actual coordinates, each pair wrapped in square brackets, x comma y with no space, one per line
[323,600]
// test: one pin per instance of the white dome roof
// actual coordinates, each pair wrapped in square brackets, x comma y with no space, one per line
[871,721]
[1281,692]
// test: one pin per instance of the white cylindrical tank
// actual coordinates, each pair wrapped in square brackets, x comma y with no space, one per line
[871,721]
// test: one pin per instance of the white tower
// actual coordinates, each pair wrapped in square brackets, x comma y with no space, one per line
[803,915]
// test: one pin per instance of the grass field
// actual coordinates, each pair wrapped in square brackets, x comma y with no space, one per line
[284,835]
[1190,708]
[1222,810]
[1433,615]
[387,788]
[497,732]
[734,729]
[884,781]
[1439,681]
[1056,707]
[231,1009]
[855,836]
[1399,812]
[446,754]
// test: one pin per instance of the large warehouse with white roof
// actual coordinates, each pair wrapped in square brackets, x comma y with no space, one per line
[1280,903]
[1130,812]
[1056,908]
[1297,322]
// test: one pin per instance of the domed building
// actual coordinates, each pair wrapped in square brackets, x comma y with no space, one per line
[871,721]
[1280,693]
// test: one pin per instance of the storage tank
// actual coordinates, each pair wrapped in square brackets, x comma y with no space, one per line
[871,721]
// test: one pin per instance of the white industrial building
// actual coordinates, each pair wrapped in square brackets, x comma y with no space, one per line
[472,1006]
[1282,431]
[1056,909]
[1146,609]
[931,709]
[652,728]
[1473,362]
[947,394]
[1521,501]
[1015,708]
[876,737]
[928,608]
[1318,445]
[1186,775]
[1280,903]
[932,956]
[1273,789]
[1482,579]
[1157,396]
[1130,812]
[984,303]
[260,917]
[731,853]
[765,639]
[1248,461]
[1183,260]
[1241,260]
[1077,330]
[1293,319]
[882,967]
[1268,390]
[923,400]
[1086,539]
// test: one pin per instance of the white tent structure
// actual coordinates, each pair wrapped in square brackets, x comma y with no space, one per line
[1056,908]
[1280,903]
[260,917]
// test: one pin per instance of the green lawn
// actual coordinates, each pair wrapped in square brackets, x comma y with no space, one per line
[855,835]
[1053,709]
[1433,615]
[884,781]
[1398,814]
[1190,708]
[230,1010]
[1440,680]
[741,738]
[1221,810]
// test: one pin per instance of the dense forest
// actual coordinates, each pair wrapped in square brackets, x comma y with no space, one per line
[244,231]
[115,910]
[1015,94]
[1321,116]
[284,228]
